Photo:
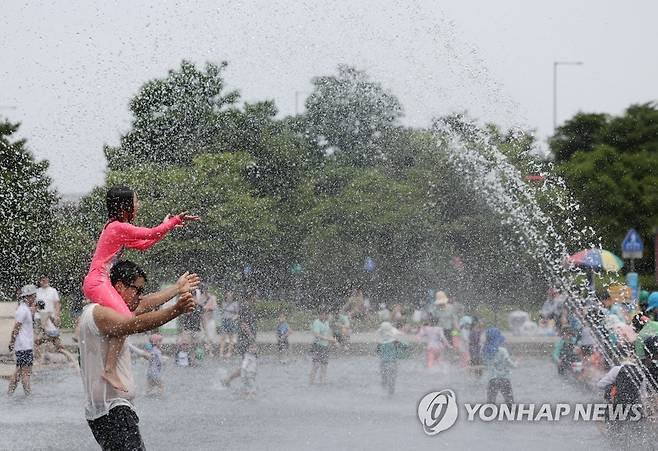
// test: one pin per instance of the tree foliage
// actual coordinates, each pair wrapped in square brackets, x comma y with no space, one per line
[612,171]
[26,212]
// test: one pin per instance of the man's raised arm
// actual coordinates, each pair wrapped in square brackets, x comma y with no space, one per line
[185,283]
[113,324]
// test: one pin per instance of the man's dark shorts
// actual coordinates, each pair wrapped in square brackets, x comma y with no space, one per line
[24,359]
[320,354]
[118,430]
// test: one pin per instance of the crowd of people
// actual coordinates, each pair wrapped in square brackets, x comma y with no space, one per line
[116,306]
[609,341]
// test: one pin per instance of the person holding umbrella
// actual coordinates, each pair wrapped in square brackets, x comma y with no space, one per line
[595,260]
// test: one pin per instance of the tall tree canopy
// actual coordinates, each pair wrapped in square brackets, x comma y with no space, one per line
[610,162]
[26,212]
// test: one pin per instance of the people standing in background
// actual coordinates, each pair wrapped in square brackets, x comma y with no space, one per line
[47,318]
[229,325]
[446,318]
[22,339]
[474,349]
[435,342]
[189,340]
[282,333]
[208,303]
[388,341]
[154,381]
[341,329]
[248,371]
[247,330]
[52,305]
[465,324]
[499,365]
[397,317]
[322,337]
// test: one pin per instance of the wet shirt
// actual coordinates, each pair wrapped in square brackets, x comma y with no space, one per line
[100,396]
[155,364]
[387,352]
[433,336]
[500,365]
[246,318]
[446,317]
[321,328]
[230,311]
[281,330]
[25,338]
[49,296]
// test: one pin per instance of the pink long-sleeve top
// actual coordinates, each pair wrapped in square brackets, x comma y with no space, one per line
[118,235]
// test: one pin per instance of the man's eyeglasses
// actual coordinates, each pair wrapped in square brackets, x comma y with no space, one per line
[138,290]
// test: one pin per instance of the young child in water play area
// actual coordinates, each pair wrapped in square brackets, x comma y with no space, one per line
[435,342]
[248,371]
[154,374]
[499,365]
[119,233]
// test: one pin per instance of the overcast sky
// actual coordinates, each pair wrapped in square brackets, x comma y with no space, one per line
[69,68]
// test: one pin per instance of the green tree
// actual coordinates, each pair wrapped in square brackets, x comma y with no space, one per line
[580,133]
[176,118]
[347,115]
[612,172]
[27,203]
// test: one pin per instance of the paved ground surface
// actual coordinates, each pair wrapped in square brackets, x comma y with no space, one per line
[349,412]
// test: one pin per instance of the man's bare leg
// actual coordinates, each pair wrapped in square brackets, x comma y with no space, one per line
[25,380]
[13,381]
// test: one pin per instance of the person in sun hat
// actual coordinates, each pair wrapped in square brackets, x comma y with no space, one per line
[22,339]
[650,329]
[446,317]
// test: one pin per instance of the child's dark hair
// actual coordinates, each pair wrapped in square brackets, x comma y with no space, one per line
[126,272]
[119,199]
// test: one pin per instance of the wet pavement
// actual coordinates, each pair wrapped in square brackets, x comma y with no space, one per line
[349,412]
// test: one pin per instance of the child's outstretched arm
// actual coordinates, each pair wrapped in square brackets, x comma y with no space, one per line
[185,283]
[142,238]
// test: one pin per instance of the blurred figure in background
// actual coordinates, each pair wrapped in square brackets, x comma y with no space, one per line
[388,340]
[208,302]
[229,325]
[22,339]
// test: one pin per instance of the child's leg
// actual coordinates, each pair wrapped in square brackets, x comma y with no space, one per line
[25,379]
[506,390]
[222,344]
[13,381]
[492,391]
[110,371]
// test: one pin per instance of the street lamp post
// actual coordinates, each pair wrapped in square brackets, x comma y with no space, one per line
[555,65]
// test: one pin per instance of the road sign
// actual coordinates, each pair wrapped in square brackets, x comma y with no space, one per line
[632,246]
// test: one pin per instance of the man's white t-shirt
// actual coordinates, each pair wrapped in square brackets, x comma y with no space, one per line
[25,338]
[49,296]
[100,396]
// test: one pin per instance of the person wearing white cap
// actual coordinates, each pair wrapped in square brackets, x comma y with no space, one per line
[22,339]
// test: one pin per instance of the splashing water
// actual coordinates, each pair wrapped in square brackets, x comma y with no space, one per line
[475,156]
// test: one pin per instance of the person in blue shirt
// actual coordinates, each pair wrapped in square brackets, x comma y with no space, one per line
[499,365]
[282,333]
